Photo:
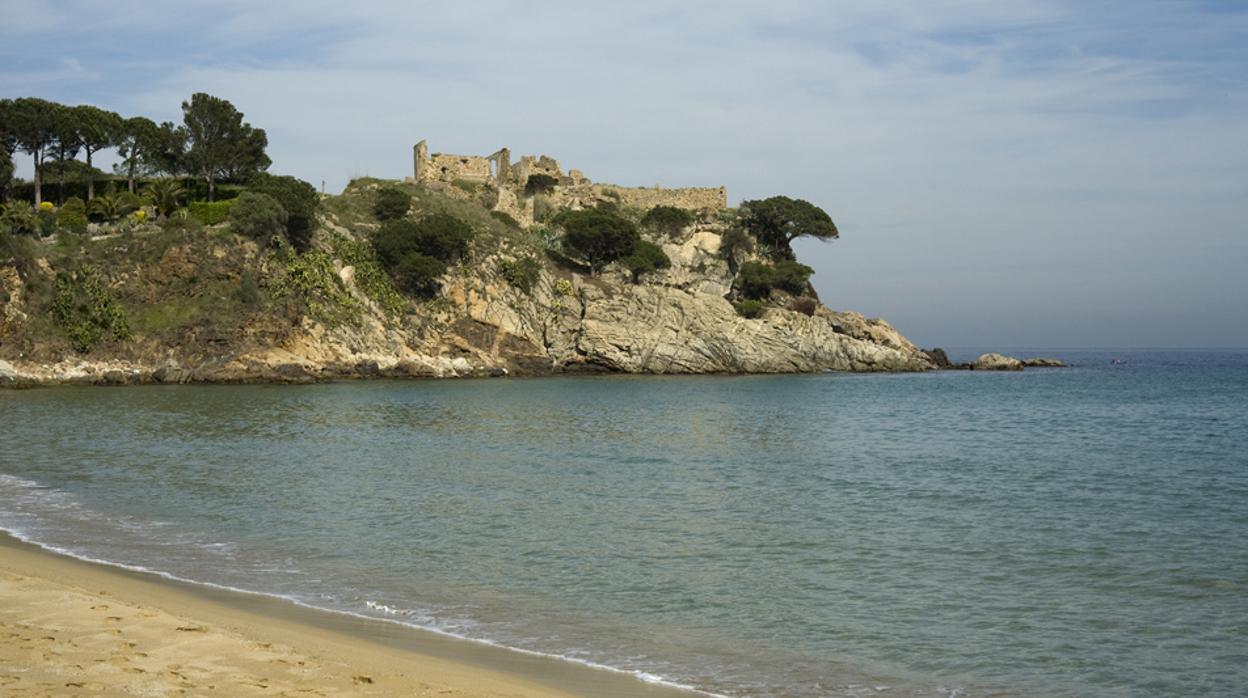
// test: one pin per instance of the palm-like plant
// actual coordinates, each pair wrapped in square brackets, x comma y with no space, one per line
[166,195]
[112,206]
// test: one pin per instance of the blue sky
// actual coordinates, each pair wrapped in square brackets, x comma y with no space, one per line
[1055,174]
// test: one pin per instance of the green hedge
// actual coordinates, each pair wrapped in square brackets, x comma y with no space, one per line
[211,212]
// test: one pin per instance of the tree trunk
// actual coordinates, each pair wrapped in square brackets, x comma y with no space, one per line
[212,189]
[38,179]
[90,178]
[130,180]
[60,182]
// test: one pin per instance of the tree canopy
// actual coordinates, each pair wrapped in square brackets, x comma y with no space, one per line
[138,140]
[646,257]
[33,129]
[667,220]
[219,144]
[598,237]
[96,130]
[298,198]
[776,221]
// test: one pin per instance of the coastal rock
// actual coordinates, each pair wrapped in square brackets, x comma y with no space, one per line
[997,362]
[939,357]
[1041,362]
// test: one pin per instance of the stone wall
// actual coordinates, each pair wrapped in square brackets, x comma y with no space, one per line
[573,191]
[713,198]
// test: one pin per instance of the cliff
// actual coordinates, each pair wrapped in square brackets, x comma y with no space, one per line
[187,303]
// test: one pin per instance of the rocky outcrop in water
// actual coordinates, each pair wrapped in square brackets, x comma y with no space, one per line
[997,362]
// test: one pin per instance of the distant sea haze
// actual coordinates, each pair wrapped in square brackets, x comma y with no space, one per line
[1055,532]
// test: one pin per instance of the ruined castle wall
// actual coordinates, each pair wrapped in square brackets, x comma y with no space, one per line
[448,168]
[694,198]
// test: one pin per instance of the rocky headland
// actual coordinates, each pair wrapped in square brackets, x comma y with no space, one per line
[184,302]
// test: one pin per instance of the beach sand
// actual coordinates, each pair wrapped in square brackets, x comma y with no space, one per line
[69,627]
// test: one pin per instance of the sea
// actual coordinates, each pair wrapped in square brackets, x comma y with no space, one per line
[1080,531]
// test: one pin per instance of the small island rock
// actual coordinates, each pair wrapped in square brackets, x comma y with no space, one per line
[997,362]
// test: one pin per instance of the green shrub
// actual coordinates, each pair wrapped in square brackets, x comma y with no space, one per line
[257,216]
[749,308]
[443,236]
[522,273]
[646,257]
[72,216]
[598,237]
[667,220]
[539,184]
[754,280]
[22,252]
[19,219]
[112,206]
[165,195]
[47,222]
[544,237]
[86,311]
[409,249]
[211,212]
[419,274]
[391,203]
[298,198]
[791,276]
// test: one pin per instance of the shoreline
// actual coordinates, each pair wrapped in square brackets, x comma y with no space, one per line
[62,616]
[125,374]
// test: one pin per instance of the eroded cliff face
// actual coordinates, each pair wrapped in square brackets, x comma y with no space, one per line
[676,321]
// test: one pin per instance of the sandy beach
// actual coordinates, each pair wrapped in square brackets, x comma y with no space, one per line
[69,627]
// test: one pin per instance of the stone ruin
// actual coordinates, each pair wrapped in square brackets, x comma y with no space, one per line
[572,190]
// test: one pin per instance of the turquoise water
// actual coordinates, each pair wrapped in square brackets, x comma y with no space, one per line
[1056,532]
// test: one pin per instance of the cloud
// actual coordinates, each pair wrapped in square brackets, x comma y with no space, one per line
[987,162]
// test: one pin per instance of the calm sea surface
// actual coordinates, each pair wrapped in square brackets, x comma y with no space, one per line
[1054,532]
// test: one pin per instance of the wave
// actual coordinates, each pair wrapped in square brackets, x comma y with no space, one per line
[384,613]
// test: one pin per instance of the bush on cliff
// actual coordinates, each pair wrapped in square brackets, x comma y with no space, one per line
[667,220]
[791,276]
[756,280]
[297,198]
[391,203]
[597,237]
[419,274]
[258,216]
[522,273]
[210,212]
[86,311]
[646,257]
[439,235]
[749,308]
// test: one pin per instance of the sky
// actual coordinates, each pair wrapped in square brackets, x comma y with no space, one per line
[1003,174]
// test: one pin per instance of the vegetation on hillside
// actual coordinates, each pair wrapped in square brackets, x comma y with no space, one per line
[193,238]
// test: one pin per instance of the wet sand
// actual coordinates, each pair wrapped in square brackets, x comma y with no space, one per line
[69,627]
